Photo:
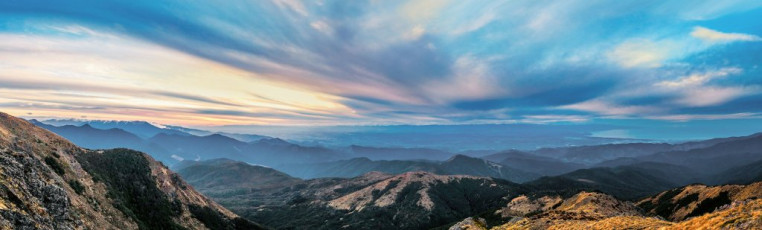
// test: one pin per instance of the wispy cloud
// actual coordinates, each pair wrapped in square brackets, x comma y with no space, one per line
[717,36]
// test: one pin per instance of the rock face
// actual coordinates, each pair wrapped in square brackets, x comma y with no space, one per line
[48,183]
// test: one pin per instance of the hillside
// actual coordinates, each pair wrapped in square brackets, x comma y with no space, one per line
[47,182]
[412,200]
[694,200]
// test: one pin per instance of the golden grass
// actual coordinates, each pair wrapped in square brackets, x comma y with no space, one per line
[743,216]
[619,222]
[740,215]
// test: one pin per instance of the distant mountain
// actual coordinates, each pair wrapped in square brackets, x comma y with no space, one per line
[270,151]
[596,154]
[173,146]
[713,164]
[245,137]
[456,165]
[465,165]
[49,183]
[221,176]
[622,182]
[678,175]
[533,163]
[744,174]
[716,158]
[140,128]
[93,138]
[237,136]
[202,147]
[388,153]
[357,166]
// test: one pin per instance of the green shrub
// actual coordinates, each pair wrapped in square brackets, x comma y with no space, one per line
[53,163]
[78,187]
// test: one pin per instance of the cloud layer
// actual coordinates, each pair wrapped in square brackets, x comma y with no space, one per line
[381,62]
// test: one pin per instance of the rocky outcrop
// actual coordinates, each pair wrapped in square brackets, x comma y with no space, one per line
[523,206]
[470,223]
[585,210]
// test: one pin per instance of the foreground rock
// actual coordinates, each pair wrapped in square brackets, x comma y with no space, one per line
[48,183]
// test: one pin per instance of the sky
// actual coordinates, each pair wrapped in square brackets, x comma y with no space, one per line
[288,62]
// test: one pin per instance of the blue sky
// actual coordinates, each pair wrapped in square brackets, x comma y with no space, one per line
[285,62]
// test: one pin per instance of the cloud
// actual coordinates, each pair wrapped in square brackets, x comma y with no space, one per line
[294,5]
[689,117]
[322,26]
[287,61]
[471,80]
[545,119]
[178,158]
[707,96]
[415,33]
[695,89]
[698,79]
[608,108]
[710,35]
[639,53]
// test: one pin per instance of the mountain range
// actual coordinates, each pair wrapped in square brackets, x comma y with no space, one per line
[632,185]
